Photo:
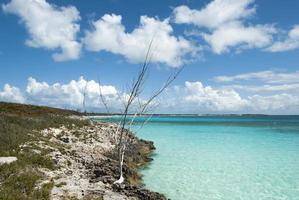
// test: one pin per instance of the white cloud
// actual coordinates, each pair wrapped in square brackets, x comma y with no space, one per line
[192,97]
[11,94]
[267,91]
[226,24]
[109,34]
[290,43]
[265,76]
[50,27]
[213,99]
[215,14]
[265,88]
[70,94]
[274,102]
[235,34]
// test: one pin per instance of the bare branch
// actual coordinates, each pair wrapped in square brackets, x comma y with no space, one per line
[102,98]
[84,98]
[170,79]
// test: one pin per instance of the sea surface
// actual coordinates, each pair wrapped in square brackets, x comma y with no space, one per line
[223,157]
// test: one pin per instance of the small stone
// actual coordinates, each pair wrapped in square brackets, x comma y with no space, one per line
[69,172]
[65,140]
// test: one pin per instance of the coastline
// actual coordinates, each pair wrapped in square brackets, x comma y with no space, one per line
[86,157]
[66,156]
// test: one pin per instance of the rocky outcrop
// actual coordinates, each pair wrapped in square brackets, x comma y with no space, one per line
[87,163]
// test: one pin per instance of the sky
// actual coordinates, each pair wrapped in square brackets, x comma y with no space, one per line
[239,56]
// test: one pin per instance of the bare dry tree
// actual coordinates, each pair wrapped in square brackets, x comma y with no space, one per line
[133,96]
[84,98]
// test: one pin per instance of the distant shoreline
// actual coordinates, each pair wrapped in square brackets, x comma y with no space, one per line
[90,113]
[184,115]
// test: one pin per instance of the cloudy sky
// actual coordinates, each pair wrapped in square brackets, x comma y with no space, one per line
[240,56]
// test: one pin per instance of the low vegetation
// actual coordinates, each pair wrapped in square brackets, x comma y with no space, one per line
[20,127]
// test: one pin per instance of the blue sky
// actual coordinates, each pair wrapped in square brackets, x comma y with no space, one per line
[252,45]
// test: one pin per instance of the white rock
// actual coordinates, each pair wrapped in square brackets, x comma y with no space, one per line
[7,160]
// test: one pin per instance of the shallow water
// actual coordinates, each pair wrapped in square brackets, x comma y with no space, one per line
[224,157]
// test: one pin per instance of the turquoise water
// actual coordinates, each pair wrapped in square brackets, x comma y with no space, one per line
[224,157]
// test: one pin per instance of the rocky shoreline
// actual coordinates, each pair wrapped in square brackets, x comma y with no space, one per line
[87,165]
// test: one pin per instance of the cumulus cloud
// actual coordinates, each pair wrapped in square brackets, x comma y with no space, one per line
[191,97]
[11,94]
[235,34]
[265,76]
[70,94]
[215,14]
[109,34]
[290,43]
[76,94]
[225,21]
[265,88]
[198,99]
[50,27]
[274,102]
[213,99]
[266,91]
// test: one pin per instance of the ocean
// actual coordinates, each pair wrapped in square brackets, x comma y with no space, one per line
[223,157]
